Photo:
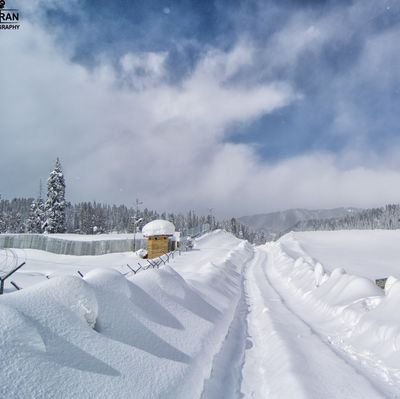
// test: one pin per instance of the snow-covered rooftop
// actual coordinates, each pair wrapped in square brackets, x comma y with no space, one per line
[158,228]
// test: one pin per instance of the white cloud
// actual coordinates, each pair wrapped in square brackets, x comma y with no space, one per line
[143,70]
[120,141]
[129,134]
[221,66]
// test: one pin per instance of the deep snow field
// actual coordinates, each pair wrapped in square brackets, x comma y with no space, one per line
[40,264]
[151,335]
[226,320]
[369,253]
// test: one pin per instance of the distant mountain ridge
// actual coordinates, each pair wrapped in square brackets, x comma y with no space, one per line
[272,224]
[384,218]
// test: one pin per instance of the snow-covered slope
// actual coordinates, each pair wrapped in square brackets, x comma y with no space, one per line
[153,335]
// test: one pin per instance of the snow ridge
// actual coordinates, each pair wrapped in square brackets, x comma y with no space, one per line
[154,335]
[288,360]
[351,313]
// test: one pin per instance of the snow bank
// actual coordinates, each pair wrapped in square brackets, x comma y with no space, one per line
[39,264]
[389,283]
[71,294]
[285,358]
[109,280]
[351,312]
[151,336]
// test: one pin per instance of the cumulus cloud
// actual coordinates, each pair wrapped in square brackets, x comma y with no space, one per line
[125,130]
[119,140]
[143,70]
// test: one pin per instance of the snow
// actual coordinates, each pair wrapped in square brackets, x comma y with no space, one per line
[158,227]
[286,358]
[369,253]
[225,320]
[142,253]
[350,313]
[149,336]
[40,264]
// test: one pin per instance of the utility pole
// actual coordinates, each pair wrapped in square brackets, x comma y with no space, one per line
[136,220]
[137,207]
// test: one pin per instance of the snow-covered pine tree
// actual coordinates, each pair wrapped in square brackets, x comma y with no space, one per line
[37,216]
[55,203]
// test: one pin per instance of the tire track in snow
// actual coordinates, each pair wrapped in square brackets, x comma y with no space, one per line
[226,375]
[287,359]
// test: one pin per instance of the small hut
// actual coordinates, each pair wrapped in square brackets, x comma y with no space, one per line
[158,234]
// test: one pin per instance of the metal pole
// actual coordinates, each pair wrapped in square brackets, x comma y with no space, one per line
[8,275]
[138,202]
[13,271]
[15,285]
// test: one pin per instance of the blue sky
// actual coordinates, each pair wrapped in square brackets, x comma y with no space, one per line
[187,29]
[244,106]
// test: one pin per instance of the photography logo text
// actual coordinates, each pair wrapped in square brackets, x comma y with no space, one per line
[9,17]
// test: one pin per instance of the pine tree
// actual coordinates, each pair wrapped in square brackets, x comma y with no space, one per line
[36,219]
[36,216]
[55,203]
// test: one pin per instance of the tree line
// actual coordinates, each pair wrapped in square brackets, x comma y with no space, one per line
[386,217]
[54,214]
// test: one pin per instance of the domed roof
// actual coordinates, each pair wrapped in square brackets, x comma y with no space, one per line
[158,228]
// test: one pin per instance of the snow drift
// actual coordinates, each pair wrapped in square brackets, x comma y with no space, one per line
[351,312]
[151,336]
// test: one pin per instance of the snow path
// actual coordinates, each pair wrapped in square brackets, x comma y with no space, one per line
[287,360]
[225,379]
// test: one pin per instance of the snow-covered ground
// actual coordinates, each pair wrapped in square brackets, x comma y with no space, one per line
[40,264]
[287,359]
[152,335]
[226,320]
[347,313]
[369,253]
